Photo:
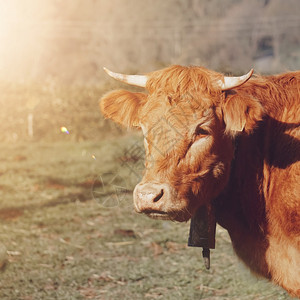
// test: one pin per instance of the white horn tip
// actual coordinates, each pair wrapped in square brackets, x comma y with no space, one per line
[138,80]
[250,73]
[107,71]
[117,76]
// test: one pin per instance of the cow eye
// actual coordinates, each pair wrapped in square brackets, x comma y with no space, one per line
[200,131]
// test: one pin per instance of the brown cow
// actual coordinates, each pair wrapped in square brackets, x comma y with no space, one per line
[224,142]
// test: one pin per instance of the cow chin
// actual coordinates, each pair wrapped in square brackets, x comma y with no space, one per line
[179,216]
[160,201]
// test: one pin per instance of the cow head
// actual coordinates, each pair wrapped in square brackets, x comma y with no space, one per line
[189,117]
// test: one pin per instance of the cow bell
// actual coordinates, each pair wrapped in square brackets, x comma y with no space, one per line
[203,231]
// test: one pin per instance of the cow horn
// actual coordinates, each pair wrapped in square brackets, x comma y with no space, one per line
[138,80]
[232,82]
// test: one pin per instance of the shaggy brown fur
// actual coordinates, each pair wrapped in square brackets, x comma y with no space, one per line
[238,150]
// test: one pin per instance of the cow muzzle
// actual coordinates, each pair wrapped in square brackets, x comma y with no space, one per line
[158,201]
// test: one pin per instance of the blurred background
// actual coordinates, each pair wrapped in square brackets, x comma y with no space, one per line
[71,40]
[51,43]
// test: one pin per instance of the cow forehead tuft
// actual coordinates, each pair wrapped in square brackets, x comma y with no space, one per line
[183,80]
[182,106]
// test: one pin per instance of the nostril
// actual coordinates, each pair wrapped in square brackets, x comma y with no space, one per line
[146,195]
[157,197]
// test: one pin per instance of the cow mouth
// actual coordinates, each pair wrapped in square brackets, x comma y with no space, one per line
[162,215]
[156,214]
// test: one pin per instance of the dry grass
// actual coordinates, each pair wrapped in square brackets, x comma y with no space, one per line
[64,242]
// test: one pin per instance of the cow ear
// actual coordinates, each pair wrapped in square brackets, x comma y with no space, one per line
[241,113]
[123,107]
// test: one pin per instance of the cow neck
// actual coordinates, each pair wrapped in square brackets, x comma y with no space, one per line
[203,224]
[242,201]
[219,203]
[236,142]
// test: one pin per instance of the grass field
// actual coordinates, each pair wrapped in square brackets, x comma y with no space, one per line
[70,232]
